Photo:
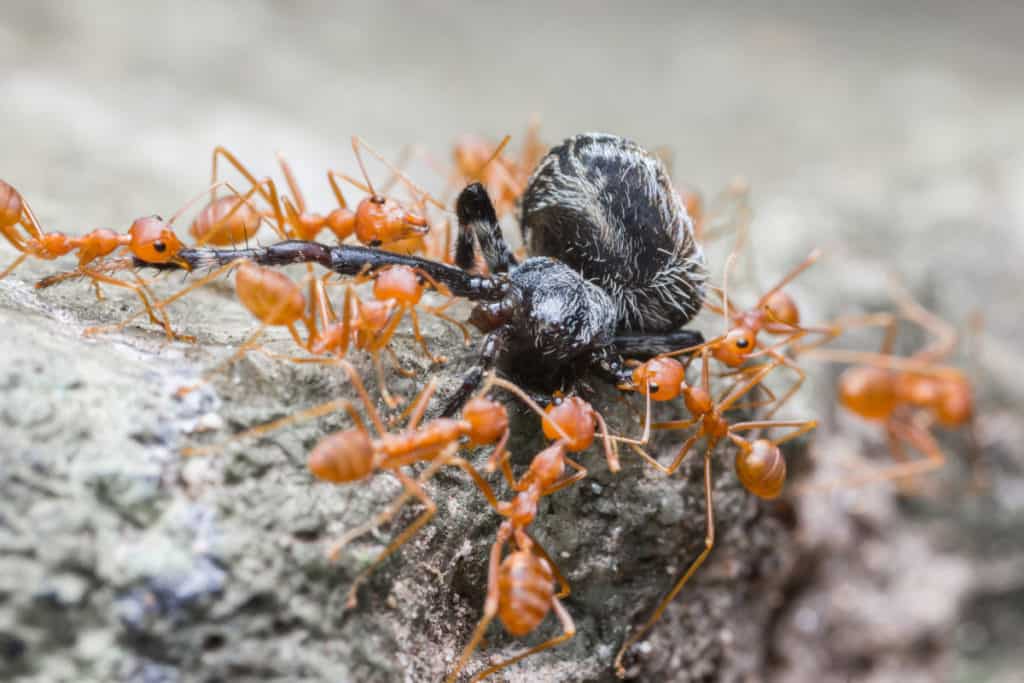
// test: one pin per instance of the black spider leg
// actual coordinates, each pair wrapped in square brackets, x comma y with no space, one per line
[477,218]
[342,259]
[646,346]
[490,349]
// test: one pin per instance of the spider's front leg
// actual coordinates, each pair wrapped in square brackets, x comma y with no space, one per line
[647,345]
[478,219]
[493,344]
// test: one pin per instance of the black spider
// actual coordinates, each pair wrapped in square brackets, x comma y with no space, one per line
[616,271]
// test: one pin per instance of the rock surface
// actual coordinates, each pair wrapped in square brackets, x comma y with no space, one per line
[891,139]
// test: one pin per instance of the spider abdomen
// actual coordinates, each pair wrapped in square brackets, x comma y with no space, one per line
[606,208]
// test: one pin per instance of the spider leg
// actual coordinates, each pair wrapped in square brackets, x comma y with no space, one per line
[344,259]
[490,349]
[644,346]
[478,218]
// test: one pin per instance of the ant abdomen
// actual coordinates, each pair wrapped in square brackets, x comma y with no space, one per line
[11,205]
[605,207]
[761,469]
[269,295]
[525,590]
[342,457]
[225,221]
[868,391]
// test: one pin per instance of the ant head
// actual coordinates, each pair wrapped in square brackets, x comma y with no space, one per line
[868,391]
[11,204]
[488,420]
[761,468]
[398,283]
[343,456]
[215,226]
[955,405]
[381,221]
[737,345]
[664,376]
[780,307]
[576,418]
[153,241]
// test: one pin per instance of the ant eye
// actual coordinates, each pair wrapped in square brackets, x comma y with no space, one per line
[742,343]
[160,246]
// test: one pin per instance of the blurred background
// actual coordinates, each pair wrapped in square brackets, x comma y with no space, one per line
[889,134]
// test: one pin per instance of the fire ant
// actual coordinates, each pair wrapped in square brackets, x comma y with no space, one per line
[775,313]
[353,454]
[759,464]
[908,395]
[376,221]
[149,239]
[520,588]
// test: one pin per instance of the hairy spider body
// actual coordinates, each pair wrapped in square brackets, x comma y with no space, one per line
[620,272]
[606,207]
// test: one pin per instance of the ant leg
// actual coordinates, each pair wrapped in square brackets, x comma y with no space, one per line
[920,439]
[418,406]
[790,276]
[709,543]
[301,416]
[568,631]
[580,473]
[413,488]
[490,603]
[269,195]
[17,262]
[206,279]
[139,291]
[489,351]
[419,338]
[945,334]
[477,217]
[801,427]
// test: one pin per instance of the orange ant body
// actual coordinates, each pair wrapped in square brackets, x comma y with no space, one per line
[520,589]
[759,464]
[906,394]
[352,455]
[376,220]
[150,238]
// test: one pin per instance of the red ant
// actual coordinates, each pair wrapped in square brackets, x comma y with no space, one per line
[895,391]
[520,589]
[150,239]
[775,313]
[353,454]
[376,221]
[759,464]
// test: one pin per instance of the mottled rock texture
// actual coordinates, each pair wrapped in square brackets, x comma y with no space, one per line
[889,136]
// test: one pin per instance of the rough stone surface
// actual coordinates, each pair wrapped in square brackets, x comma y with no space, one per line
[889,138]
